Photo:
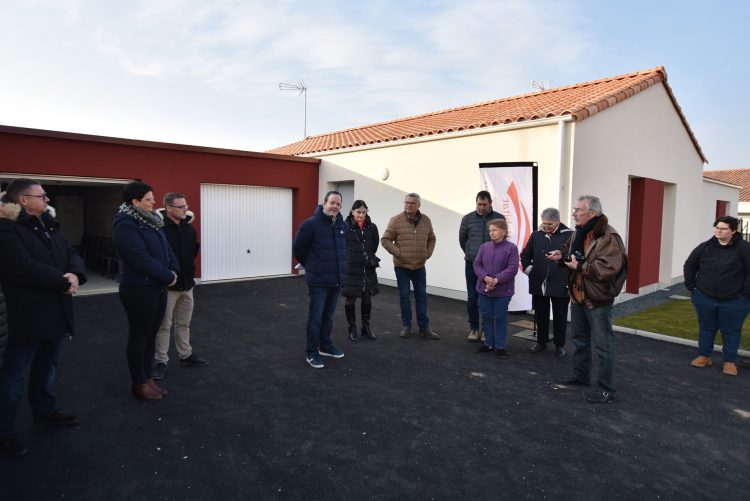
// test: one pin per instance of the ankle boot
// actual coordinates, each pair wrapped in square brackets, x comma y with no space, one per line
[158,389]
[366,332]
[351,319]
[145,392]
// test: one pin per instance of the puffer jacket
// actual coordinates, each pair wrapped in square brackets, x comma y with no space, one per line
[145,255]
[601,277]
[34,256]
[473,232]
[719,271]
[411,245]
[359,244]
[545,277]
[320,246]
[7,211]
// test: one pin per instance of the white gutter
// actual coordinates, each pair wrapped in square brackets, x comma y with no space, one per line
[540,122]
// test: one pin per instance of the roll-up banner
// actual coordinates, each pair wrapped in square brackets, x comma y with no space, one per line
[513,186]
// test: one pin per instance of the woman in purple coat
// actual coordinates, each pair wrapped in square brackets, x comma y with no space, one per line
[496,266]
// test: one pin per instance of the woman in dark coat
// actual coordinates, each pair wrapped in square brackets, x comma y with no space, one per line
[361,279]
[148,267]
[547,280]
[39,271]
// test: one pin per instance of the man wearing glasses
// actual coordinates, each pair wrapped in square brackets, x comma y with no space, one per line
[596,264]
[183,239]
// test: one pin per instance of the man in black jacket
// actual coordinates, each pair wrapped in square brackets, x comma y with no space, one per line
[39,271]
[183,239]
[472,233]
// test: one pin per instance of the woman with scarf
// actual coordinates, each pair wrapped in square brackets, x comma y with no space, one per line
[361,280]
[148,267]
[496,266]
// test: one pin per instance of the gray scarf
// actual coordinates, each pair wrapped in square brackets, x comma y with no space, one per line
[151,219]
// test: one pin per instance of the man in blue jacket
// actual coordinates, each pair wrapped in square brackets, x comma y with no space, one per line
[320,246]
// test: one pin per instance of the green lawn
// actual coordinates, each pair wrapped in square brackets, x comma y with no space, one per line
[674,318]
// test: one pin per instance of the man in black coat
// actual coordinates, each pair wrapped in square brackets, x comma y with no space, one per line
[183,239]
[39,271]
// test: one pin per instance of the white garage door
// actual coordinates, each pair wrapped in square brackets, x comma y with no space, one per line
[246,231]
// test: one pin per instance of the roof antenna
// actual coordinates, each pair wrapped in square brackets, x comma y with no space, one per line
[540,86]
[302,90]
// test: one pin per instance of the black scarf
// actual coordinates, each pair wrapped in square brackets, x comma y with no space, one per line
[581,232]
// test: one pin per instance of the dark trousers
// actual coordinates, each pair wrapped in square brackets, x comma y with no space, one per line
[43,358]
[323,302]
[145,306]
[559,318]
[726,315]
[418,279]
[472,299]
[593,325]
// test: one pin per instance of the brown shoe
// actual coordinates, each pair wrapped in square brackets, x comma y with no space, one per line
[156,387]
[729,369]
[145,392]
[428,333]
[701,361]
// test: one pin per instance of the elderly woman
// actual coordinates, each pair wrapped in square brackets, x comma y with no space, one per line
[547,281]
[361,279]
[148,267]
[496,266]
[717,273]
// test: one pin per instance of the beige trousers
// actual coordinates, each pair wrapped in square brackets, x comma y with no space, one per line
[179,308]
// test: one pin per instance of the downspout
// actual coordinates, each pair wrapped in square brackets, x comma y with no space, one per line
[566,185]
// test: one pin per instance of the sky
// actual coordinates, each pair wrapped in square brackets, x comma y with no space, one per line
[208,73]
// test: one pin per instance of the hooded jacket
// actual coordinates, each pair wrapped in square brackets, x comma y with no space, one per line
[34,256]
[320,246]
[545,277]
[410,244]
[719,271]
[184,242]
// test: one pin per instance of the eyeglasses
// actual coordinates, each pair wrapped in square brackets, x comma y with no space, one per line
[179,206]
[576,210]
[721,228]
[43,195]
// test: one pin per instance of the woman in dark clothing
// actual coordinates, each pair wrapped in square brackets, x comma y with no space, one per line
[547,280]
[361,279]
[148,267]
[717,274]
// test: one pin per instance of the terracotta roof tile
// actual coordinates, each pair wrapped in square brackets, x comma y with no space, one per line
[737,177]
[581,100]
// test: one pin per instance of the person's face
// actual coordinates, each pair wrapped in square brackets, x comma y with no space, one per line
[483,206]
[34,200]
[581,213]
[178,209]
[332,206]
[146,203]
[497,234]
[723,233]
[359,214]
[411,205]
[549,225]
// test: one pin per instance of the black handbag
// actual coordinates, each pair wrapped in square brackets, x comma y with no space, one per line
[372,260]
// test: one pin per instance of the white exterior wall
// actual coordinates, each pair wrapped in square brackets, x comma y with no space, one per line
[644,136]
[445,173]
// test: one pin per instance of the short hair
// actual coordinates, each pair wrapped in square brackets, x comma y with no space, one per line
[733,222]
[551,213]
[484,195]
[500,223]
[135,191]
[171,197]
[593,202]
[17,187]
[414,195]
[359,204]
[332,192]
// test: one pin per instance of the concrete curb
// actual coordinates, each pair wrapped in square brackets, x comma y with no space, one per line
[670,339]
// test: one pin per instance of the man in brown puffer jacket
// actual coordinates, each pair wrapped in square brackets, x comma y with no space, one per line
[410,239]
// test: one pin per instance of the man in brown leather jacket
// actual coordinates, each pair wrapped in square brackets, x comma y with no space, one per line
[594,281]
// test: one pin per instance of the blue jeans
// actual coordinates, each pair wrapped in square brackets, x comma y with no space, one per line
[43,358]
[418,279]
[495,320]
[472,306]
[726,315]
[320,317]
[587,325]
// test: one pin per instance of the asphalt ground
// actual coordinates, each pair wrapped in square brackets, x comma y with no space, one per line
[394,419]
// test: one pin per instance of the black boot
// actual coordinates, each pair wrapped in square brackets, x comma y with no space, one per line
[366,309]
[351,319]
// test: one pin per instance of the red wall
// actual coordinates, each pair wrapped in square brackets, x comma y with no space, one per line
[165,167]
[644,235]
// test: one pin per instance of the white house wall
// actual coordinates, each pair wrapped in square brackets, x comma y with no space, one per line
[643,136]
[445,173]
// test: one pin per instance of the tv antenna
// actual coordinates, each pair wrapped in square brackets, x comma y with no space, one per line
[302,89]
[540,86]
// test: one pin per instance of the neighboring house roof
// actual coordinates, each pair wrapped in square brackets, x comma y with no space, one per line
[737,177]
[580,100]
